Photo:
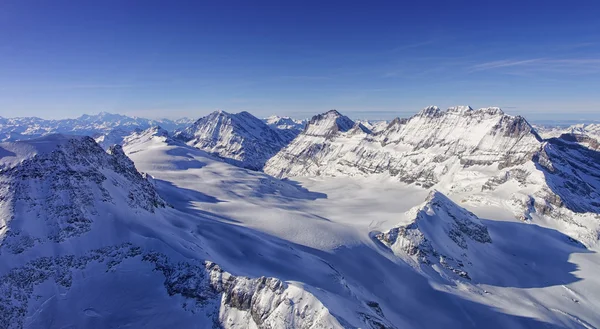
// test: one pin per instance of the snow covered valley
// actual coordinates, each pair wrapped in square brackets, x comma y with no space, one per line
[158,233]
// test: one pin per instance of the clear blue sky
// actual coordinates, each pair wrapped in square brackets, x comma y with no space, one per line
[62,58]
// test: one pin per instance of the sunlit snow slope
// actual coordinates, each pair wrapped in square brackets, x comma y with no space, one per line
[178,237]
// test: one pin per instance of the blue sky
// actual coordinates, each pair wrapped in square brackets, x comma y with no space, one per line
[374,59]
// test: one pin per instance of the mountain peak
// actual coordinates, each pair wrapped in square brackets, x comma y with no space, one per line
[491,110]
[333,112]
[144,135]
[328,124]
[430,111]
[461,109]
[240,138]
[436,196]
[440,233]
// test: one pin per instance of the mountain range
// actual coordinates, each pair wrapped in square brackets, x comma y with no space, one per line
[457,218]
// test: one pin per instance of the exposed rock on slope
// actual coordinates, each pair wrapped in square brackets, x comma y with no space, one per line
[51,188]
[440,233]
[459,150]
[419,150]
[240,138]
[206,289]
[73,217]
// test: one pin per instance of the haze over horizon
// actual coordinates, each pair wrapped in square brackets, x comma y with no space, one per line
[63,59]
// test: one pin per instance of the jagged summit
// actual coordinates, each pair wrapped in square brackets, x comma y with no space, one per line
[430,111]
[418,150]
[434,111]
[327,124]
[240,138]
[461,109]
[439,235]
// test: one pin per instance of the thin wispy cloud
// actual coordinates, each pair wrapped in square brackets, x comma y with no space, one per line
[502,64]
[547,65]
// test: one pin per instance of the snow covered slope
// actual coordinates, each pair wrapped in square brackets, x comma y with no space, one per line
[524,278]
[85,241]
[490,155]
[239,138]
[196,242]
[441,235]
[55,188]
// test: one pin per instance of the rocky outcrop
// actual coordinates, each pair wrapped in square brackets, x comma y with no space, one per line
[50,188]
[262,302]
[440,233]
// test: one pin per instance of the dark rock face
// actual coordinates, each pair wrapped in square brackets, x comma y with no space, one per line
[204,284]
[17,286]
[518,174]
[572,173]
[591,142]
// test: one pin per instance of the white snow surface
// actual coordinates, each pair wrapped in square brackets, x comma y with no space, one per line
[484,154]
[239,138]
[197,242]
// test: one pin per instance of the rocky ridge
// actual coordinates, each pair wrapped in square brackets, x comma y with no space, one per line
[439,233]
[240,138]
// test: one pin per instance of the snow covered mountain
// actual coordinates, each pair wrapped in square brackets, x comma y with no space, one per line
[407,148]
[441,235]
[324,239]
[374,125]
[591,129]
[480,151]
[106,128]
[85,225]
[587,135]
[54,189]
[240,138]
[278,122]
[450,219]
[289,128]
